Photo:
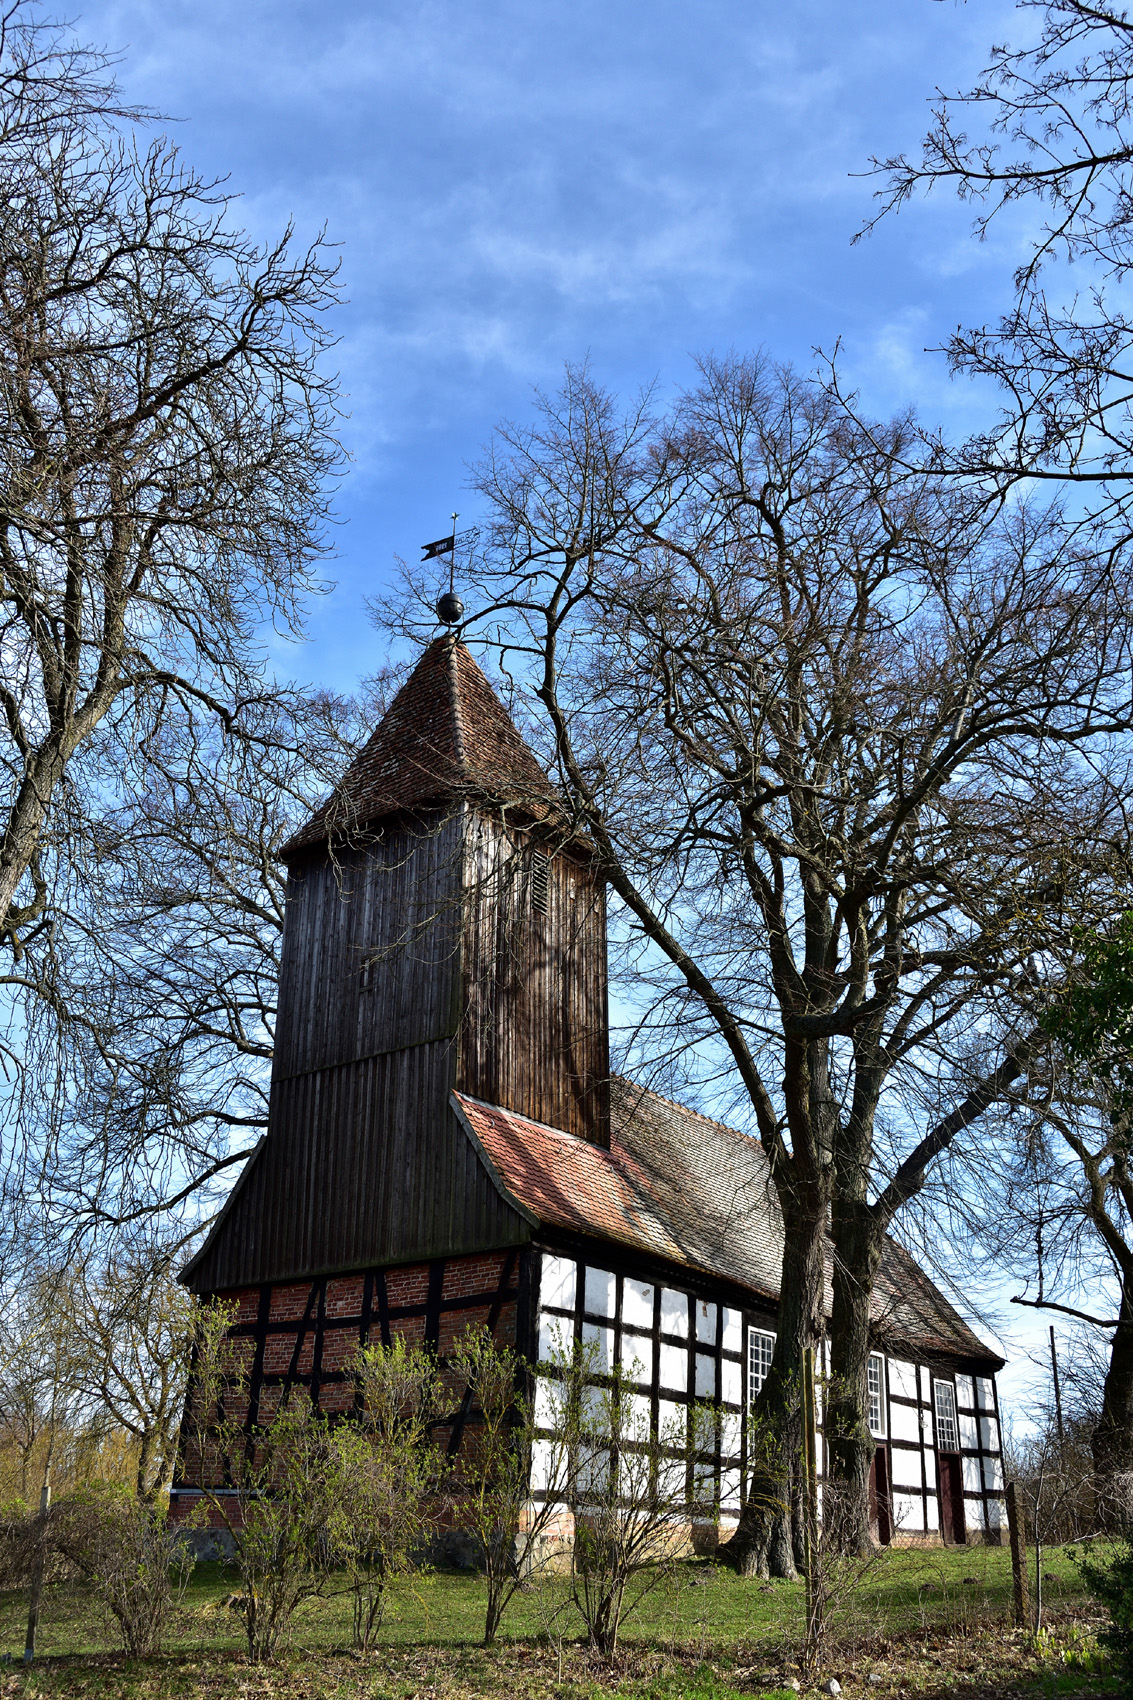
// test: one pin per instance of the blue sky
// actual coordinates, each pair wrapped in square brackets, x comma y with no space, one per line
[514,185]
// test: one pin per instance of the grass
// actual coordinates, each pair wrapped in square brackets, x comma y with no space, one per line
[929,1623]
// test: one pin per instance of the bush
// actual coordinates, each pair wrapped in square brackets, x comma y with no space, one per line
[1110,1580]
[390,1471]
[123,1548]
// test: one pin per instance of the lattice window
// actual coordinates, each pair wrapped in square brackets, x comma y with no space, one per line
[760,1347]
[540,881]
[875,1389]
[944,1398]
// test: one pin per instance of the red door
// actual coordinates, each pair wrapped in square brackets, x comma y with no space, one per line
[879,1498]
[951,1500]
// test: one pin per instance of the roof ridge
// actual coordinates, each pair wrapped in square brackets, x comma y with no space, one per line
[685,1109]
[457,706]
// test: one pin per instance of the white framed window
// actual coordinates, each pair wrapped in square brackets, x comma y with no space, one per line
[944,1404]
[875,1395]
[760,1348]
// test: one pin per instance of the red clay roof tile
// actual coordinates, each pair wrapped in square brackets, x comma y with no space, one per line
[677,1185]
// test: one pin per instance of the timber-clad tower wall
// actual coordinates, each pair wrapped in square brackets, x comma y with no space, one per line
[444,930]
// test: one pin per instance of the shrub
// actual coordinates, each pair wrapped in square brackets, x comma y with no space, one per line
[123,1548]
[390,1470]
[289,1519]
[1110,1579]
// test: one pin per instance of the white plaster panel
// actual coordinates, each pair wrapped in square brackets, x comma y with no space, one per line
[996,1514]
[594,1474]
[637,1304]
[731,1383]
[704,1481]
[600,1293]
[705,1321]
[595,1410]
[635,1417]
[674,1368]
[905,1423]
[971,1468]
[542,1465]
[930,1468]
[550,1403]
[993,1473]
[674,1313]
[926,1385]
[965,1392]
[730,1430]
[906,1466]
[733,1340]
[672,1420]
[637,1357]
[902,1378]
[729,1490]
[985,1393]
[932,1512]
[989,1434]
[556,1335]
[705,1376]
[598,1345]
[908,1513]
[558,1281]
[969,1433]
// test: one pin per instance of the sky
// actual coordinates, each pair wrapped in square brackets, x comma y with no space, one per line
[514,184]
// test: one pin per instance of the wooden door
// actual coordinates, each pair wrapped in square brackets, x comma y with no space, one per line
[880,1526]
[951,1500]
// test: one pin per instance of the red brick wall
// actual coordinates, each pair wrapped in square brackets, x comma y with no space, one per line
[304,1332]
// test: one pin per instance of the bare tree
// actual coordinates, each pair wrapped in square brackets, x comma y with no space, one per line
[132,1329]
[145,1036]
[847,749]
[166,445]
[1046,125]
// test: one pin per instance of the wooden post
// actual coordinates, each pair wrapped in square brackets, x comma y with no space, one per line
[38,1564]
[1018,1556]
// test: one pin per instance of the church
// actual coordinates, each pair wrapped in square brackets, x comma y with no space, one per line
[447,1148]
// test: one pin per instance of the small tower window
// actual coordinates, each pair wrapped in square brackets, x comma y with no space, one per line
[540,881]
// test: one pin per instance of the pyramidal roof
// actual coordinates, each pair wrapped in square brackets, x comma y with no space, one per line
[445,736]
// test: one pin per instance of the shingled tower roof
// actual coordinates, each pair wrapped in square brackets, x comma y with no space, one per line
[445,736]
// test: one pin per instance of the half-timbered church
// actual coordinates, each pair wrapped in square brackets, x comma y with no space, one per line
[446,1146]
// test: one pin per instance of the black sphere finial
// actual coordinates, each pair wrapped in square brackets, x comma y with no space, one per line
[449,608]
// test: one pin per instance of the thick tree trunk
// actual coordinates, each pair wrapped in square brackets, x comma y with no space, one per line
[858,1240]
[764,1544]
[1113,1436]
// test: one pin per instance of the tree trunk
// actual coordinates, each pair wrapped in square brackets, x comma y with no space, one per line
[764,1544]
[850,1446]
[1113,1436]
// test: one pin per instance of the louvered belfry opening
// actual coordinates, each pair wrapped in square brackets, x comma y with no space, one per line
[444,931]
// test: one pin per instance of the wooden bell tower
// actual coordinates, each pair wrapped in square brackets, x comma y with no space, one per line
[445,930]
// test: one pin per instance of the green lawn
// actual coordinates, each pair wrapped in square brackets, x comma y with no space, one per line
[915,1622]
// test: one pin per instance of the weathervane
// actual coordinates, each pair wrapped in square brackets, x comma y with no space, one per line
[449,606]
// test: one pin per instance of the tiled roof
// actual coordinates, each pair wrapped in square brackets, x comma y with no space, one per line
[446,735]
[677,1185]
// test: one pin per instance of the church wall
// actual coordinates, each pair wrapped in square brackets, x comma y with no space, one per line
[305,1333]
